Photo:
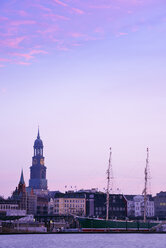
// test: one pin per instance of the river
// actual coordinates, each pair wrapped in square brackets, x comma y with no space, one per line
[83,241]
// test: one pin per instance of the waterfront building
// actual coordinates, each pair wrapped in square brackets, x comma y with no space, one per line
[25,224]
[89,203]
[25,197]
[51,207]
[160,205]
[96,205]
[38,181]
[19,194]
[10,208]
[42,205]
[31,201]
[69,204]
[135,206]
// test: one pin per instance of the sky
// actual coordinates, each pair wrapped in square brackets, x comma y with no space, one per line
[92,75]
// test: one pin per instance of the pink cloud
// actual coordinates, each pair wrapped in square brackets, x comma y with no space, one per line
[38,52]
[55,40]
[23,13]
[130,12]
[78,11]
[13,43]
[64,24]
[76,44]
[62,47]
[9,31]
[3,18]
[22,22]
[3,90]
[100,6]
[2,65]
[61,3]
[29,55]
[23,63]
[42,7]
[99,30]
[62,17]
[4,60]
[56,17]
[91,38]
[52,29]
[77,35]
[119,4]
[122,34]
[134,29]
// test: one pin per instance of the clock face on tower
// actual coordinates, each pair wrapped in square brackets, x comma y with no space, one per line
[34,161]
[42,161]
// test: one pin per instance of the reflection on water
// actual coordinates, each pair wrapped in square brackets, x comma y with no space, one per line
[83,241]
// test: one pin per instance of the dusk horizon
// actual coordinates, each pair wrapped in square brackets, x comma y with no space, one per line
[83,123]
[92,76]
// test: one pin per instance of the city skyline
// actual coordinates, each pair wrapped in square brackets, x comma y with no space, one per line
[74,187]
[92,76]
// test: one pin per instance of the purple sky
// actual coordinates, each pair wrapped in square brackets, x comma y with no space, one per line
[92,75]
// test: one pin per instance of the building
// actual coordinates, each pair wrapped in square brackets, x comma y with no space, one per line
[160,205]
[38,181]
[20,195]
[42,205]
[31,201]
[88,203]
[135,206]
[96,205]
[25,197]
[10,208]
[68,204]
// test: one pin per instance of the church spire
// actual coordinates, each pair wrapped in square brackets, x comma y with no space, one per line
[22,178]
[38,135]
[21,185]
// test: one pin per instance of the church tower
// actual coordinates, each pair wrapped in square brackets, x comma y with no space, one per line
[20,194]
[21,185]
[38,169]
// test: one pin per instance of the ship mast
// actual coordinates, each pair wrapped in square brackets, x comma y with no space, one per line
[108,184]
[146,181]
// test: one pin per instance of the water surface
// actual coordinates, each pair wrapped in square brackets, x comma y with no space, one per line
[83,241]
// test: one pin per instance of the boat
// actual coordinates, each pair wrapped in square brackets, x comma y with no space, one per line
[101,225]
[87,224]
